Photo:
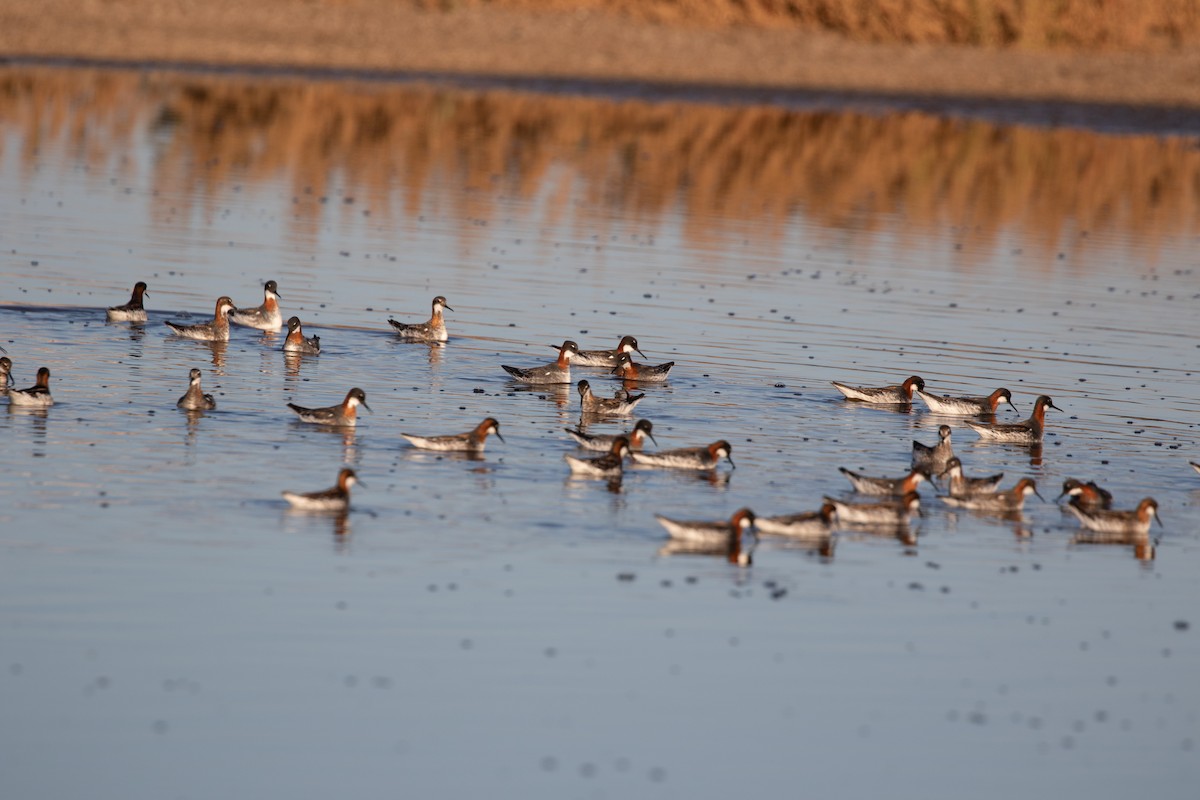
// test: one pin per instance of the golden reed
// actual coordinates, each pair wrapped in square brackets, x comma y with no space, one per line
[728,168]
[1131,25]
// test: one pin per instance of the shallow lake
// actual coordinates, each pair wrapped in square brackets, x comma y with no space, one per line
[168,628]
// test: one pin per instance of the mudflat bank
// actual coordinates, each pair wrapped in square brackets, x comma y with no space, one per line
[586,40]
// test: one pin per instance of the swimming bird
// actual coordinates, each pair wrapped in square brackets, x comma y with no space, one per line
[471,441]
[707,457]
[343,414]
[600,441]
[333,499]
[36,396]
[883,395]
[966,406]
[894,511]
[296,343]
[718,533]
[432,331]
[558,372]
[962,486]
[609,465]
[1087,496]
[6,378]
[605,358]
[620,406]
[1136,521]
[195,399]
[807,524]
[1008,500]
[895,487]
[934,457]
[133,311]
[215,331]
[1026,432]
[266,317]
[626,369]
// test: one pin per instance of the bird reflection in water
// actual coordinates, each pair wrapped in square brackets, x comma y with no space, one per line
[574,484]
[38,418]
[736,551]
[218,350]
[193,417]
[1144,547]
[902,532]
[338,522]
[1035,455]
[822,546]
[416,454]
[557,393]
[350,452]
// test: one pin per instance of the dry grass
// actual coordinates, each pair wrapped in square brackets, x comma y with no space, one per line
[1135,25]
[396,149]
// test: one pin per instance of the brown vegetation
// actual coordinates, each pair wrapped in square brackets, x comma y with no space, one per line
[728,167]
[1106,51]
[1142,25]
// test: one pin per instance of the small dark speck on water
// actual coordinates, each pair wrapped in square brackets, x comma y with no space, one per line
[1182,625]
[626,577]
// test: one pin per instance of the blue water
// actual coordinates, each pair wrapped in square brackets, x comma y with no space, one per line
[170,629]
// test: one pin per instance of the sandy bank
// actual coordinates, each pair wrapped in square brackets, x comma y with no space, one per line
[389,36]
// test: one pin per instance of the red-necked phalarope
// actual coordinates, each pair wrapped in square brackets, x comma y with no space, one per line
[620,406]
[626,369]
[597,441]
[266,317]
[432,331]
[1087,496]
[807,524]
[133,311]
[195,399]
[6,378]
[688,457]
[334,499]
[883,395]
[609,465]
[934,457]
[344,414]
[712,534]
[296,343]
[1008,500]
[215,331]
[895,487]
[882,512]
[1026,432]
[473,440]
[558,372]
[962,486]
[605,358]
[966,406]
[36,396]
[1106,521]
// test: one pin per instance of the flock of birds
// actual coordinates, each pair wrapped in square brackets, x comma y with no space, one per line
[894,501]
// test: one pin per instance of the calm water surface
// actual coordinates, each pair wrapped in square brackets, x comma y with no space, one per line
[170,629]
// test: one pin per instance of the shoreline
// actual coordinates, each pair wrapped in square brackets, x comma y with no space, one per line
[1093,115]
[368,40]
